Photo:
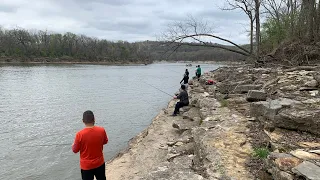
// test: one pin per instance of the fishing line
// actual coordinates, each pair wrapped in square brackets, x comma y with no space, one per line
[47,145]
[158,89]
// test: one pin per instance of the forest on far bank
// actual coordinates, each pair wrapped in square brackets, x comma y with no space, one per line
[42,46]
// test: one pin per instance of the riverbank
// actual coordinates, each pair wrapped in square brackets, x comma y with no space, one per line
[195,145]
[255,123]
[195,63]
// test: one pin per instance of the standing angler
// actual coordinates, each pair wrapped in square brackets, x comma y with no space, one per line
[187,73]
[185,80]
[198,72]
[89,141]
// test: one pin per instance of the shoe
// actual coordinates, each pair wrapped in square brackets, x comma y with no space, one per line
[174,114]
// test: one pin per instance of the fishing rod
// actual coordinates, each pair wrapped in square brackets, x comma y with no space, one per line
[47,145]
[158,89]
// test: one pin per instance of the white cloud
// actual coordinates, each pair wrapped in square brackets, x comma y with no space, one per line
[131,20]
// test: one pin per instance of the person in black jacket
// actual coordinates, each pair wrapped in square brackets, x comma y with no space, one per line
[185,81]
[187,73]
[184,100]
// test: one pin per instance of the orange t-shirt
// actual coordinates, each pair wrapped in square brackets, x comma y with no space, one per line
[90,141]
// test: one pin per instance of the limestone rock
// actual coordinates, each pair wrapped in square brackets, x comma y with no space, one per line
[246,88]
[280,175]
[256,95]
[312,83]
[299,118]
[315,151]
[270,109]
[184,124]
[185,149]
[289,88]
[183,162]
[309,144]
[317,78]
[286,164]
[305,155]
[274,155]
[185,108]
[191,114]
[314,93]
[168,173]
[309,170]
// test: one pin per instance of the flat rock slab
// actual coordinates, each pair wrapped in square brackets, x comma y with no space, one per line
[309,144]
[299,118]
[184,124]
[246,88]
[271,108]
[192,114]
[308,170]
[305,155]
[167,173]
[315,151]
[256,95]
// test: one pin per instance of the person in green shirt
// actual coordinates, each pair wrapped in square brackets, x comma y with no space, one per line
[198,72]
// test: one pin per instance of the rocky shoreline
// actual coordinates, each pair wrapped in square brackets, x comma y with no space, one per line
[254,123]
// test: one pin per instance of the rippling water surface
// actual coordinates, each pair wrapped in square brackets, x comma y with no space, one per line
[43,105]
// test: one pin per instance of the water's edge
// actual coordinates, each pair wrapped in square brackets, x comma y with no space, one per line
[135,140]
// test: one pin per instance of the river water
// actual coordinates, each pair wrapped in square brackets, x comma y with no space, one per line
[41,108]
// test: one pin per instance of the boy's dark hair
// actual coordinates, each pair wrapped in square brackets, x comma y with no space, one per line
[88,117]
[183,87]
[198,65]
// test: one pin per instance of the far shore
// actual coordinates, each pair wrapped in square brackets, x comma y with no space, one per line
[74,62]
[139,63]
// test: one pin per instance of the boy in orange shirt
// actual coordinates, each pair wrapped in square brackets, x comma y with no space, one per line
[89,141]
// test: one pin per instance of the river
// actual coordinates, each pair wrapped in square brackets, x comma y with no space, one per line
[41,108]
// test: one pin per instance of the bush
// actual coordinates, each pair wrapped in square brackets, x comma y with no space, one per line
[261,153]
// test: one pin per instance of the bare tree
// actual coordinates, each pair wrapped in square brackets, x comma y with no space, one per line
[247,6]
[197,33]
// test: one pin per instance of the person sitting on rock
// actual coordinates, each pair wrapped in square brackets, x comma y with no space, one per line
[184,100]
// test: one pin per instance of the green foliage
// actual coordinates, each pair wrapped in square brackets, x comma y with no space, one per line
[261,153]
[22,43]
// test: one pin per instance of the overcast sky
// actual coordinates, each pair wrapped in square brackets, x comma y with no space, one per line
[130,20]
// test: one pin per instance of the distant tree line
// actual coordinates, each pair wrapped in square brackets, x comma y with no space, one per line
[28,45]
[43,46]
